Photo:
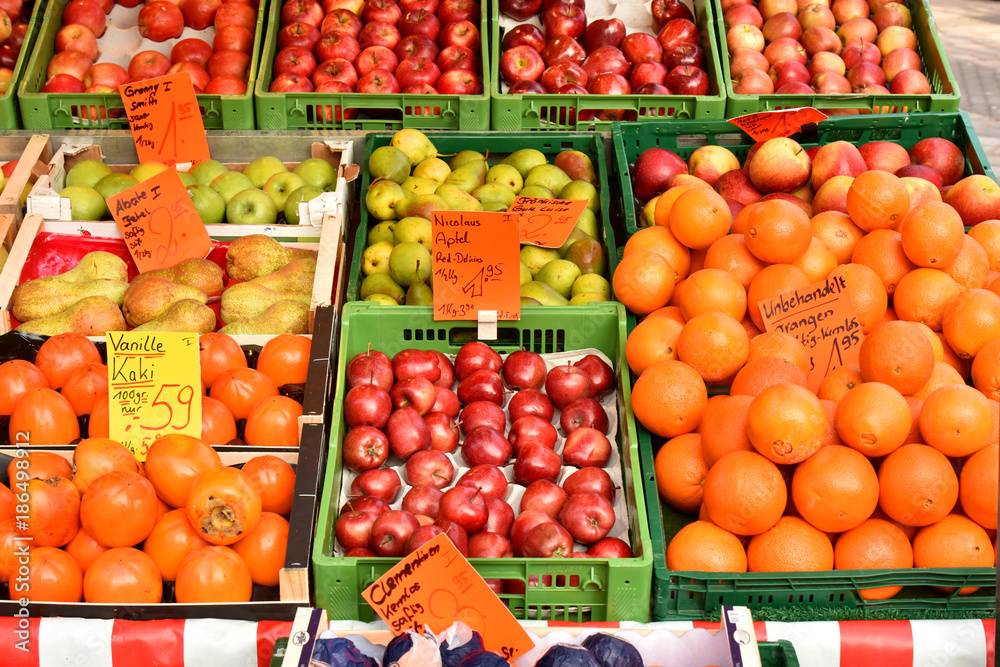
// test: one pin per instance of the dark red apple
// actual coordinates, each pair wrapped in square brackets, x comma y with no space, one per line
[523,369]
[524,34]
[476,356]
[524,524]
[532,429]
[602,376]
[484,446]
[365,448]
[367,404]
[564,19]
[590,478]
[638,46]
[665,11]
[465,506]
[416,363]
[360,552]
[381,483]
[925,172]
[587,516]
[581,413]
[530,402]
[651,171]
[609,84]
[489,545]
[501,516]
[391,531]
[458,535]
[482,385]
[520,10]
[603,32]
[610,547]
[431,468]
[691,55]
[458,10]
[417,46]
[586,447]
[444,433]
[447,371]
[422,536]
[535,462]
[606,59]
[686,80]
[354,527]
[565,384]
[678,31]
[527,87]
[386,11]
[446,401]
[416,392]
[544,496]
[521,63]
[482,413]
[370,367]
[423,499]
[487,478]
[408,433]
[548,540]
[562,48]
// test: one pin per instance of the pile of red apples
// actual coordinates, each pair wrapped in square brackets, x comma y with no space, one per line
[403,411]
[570,55]
[421,47]
[13,28]
[803,47]
[219,68]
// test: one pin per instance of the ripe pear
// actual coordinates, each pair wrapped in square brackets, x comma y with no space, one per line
[414,185]
[539,191]
[381,299]
[258,255]
[243,301]
[525,160]
[495,206]
[381,283]
[284,317]
[203,274]
[409,262]
[589,256]
[375,258]
[648,217]
[525,274]
[559,274]
[465,157]
[592,283]
[383,231]
[469,176]
[544,294]
[420,206]
[151,296]
[528,301]
[187,315]
[574,236]
[416,230]
[494,193]
[584,191]
[388,162]
[549,176]
[585,298]
[433,168]
[92,316]
[505,174]
[535,257]
[577,166]
[419,294]
[415,144]
[589,224]
[297,276]
[95,265]
[457,199]
[49,296]
[382,197]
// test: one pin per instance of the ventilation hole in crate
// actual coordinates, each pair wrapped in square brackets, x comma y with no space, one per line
[560,341]
[626,581]
[546,581]
[536,340]
[407,334]
[561,580]
[574,580]
[420,334]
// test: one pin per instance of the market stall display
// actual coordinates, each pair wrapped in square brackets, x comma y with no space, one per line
[21,31]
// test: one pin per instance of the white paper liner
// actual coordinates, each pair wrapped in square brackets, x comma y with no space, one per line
[516,491]
[122,39]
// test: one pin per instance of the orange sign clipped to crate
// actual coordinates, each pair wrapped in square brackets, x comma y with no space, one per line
[165,119]
[434,587]
[773,124]
[547,222]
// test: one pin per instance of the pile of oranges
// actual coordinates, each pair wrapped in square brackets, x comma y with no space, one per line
[890,463]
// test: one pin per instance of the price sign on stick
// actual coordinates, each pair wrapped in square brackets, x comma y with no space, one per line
[159,223]
[476,265]
[771,124]
[154,387]
[824,320]
[435,586]
[547,222]
[165,119]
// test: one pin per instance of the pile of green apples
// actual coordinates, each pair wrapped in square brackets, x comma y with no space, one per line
[258,195]
[410,180]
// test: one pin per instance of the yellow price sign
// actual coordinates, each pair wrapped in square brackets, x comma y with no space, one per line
[154,387]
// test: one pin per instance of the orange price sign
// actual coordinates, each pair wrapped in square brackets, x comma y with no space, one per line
[824,320]
[476,265]
[434,587]
[165,119]
[771,124]
[159,223]
[154,387]
[547,222]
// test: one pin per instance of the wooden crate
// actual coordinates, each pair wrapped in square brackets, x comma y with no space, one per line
[32,163]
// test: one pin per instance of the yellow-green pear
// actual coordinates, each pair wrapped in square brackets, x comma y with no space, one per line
[383,231]
[414,185]
[409,262]
[582,190]
[589,224]
[525,273]
[420,206]
[469,176]
[585,298]
[544,294]
[594,283]
[433,168]
[415,230]
[589,255]
[415,144]
[382,197]
[419,294]
[647,218]
[457,198]
[464,157]
[496,193]
[559,274]
[525,160]
[549,176]
[535,257]
[375,258]
[574,236]
[381,283]
[389,162]
[505,174]
[381,299]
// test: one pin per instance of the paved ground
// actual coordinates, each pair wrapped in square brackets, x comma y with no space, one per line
[970,32]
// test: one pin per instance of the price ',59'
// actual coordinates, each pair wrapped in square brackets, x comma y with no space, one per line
[163,415]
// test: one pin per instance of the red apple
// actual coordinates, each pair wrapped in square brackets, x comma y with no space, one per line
[736,185]
[609,84]
[460,33]
[744,37]
[294,60]
[384,11]
[294,34]
[199,77]
[484,446]
[524,34]
[458,535]
[18,31]
[650,173]
[785,48]
[420,22]
[520,10]
[680,55]
[830,83]
[487,478]
[160,21]
[365,448]
[444,433]
[564,19]
[413,363]
[370,367]
[447,370]
[416,392]
[789,71]
[534,462]
[548,540]
[446,401]
[458,10]
[367,405]
[408,432]
[105,74]
[565,384]
[456,57]
[686,80]
[562,48]
[603,32]
[665,11]
[501,517]
[898,60]
[858,30]
[586,447]
[856,52]
[382,483]
[678,31]
[476,356]
[606,59]
[199,14]
[602,376]
[407,6]
[523,369]
[87,13]
[380,34]
[584,412]
[421,536]
[638,47]
[391,531]
[534,430]
[752,81]
[743,15]
[942,155]
[77,38]
[865,74]
[191,51]
[489,545]
[610,547]
[587,516]
[431,468]
[543,496]
[147,65]
[910,82]
[818,39]
[929,174]
[337,44]
[784,24]
[378,81]
[590,478]
[293,11]
[75,64]
[341,19]
[354,526]
[524,524]
[527,87]
[557,76]
[416,46]
[744,58]
[825,61]
[482,385]
[423,500]
[530,402]
[482,413]
[229,63]
[63,83]
[464,506]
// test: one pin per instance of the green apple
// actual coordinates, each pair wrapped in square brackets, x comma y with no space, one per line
[305,193]
[186,178]
[87,173]
[231,184]
[210,204]
[207,171]
[252,207]
[317,172]
[375,258]
[262,169]
[282,184]
[87,203]
[114,183]
[146,170]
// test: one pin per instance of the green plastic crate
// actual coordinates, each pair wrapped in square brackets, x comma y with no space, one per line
[559,112]
[319,111]
[68,111]
[631,139]
[498,146]
[9,115]
[944,94]
[777,654]
[568,589]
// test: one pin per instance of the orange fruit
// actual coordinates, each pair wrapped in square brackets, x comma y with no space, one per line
[708,290]
[987,234]
[877,200]
[744,493]
[898,354]
[701,546]
[769,283]
[985,369]
[835,489]
[954,541]
[786,423]
[715,345]
[882,252]
[699,217]
[662,242]
[730,254]
[839,381]
[995,410]
[873,418]
[782,345]
[777,232]
[866,292]
[995,286]
[762,373]
[830,437]
[922,296]
[750,327]
[942,376]
[951,357]
[916,405]
[837,232]
[977,486]
[817,261]
[724,428]
[653,340]
[956,420]
[665,202]
[673,312]
[680,472]
[971,320]
[791,545]
[971,268]
[876,544]
[917,485]
[669,399]
[742,219]
[643,281]
[932,234]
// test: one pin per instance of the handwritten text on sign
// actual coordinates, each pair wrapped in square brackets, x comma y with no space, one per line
[165,119]
[154,387]
[476,265]
[547,222]
[771,124]
[435,586]
[824,320]
[159,223]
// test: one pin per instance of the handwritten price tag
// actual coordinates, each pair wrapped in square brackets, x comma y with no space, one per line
[154,387]
[165,119]
[547,222]
[824,320]
[159,223]
[476,265]
[770,124]
[435,586]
